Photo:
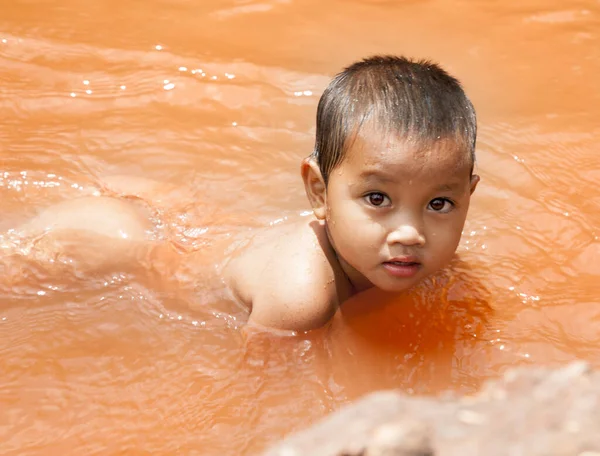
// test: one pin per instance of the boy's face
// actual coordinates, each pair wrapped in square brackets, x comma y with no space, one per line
[395,211]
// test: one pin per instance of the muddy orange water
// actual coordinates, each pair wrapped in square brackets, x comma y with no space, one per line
[218,98]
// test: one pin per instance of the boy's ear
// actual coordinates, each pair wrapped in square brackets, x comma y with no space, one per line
[474,181]
[314,184]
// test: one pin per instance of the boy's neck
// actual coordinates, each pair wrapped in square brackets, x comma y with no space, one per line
[354,282]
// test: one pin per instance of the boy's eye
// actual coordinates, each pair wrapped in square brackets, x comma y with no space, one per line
[441,205]
[376,199]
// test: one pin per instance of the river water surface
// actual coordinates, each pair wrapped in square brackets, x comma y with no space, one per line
[218,97]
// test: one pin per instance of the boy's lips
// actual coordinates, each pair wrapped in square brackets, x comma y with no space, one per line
[403,267]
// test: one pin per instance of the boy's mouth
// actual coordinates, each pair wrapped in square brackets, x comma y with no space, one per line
[402,267]
[405,259]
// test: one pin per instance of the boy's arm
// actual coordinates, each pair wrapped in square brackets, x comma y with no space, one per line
[288,284]
[296,302]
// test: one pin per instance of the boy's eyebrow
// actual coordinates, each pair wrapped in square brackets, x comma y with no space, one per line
[385,177]
[449,187]
[370,173]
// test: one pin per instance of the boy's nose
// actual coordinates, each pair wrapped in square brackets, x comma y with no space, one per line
[406,234]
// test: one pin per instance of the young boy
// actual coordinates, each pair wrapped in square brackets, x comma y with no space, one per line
[389,183]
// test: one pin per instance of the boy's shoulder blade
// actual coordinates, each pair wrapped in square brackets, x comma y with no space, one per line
[286,278]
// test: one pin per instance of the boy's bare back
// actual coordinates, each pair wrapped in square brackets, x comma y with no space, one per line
[389,183]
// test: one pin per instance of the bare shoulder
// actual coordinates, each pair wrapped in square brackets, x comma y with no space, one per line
[286,278]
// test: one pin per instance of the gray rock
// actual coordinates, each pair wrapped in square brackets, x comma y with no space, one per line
[528,412]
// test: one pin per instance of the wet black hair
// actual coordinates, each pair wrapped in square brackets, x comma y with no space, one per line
[416,99]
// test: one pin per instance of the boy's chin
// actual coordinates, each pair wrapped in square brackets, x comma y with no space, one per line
[395,285]
[398,285]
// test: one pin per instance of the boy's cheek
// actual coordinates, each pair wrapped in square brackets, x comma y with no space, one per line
[444,240]
[340,210]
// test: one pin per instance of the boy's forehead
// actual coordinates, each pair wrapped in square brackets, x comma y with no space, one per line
[378,149]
